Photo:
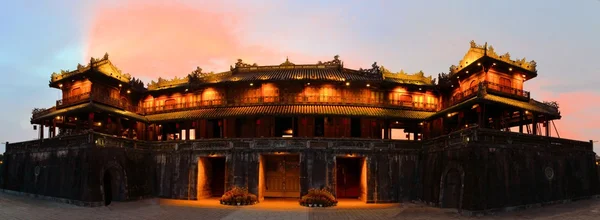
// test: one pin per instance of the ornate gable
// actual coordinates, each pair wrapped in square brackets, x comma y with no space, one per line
[477,51]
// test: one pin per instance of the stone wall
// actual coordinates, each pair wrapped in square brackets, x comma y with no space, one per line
[473,169]
[500,169]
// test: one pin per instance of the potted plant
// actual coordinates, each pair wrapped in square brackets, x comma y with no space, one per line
[318,198]
[238,196]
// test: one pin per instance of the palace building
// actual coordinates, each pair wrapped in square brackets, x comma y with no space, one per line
[472,139]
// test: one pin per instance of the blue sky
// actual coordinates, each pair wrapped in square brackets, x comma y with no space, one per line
[172,37]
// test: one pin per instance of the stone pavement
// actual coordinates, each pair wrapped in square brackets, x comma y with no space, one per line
[19,207]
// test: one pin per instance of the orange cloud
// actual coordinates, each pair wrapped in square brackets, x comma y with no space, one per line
[579,110]
[150,40]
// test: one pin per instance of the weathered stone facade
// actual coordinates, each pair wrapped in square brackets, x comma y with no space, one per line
[474,169]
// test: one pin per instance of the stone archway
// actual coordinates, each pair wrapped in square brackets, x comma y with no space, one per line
[113,183]
[452,184]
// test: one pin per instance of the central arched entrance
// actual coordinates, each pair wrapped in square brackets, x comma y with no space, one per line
[107,188]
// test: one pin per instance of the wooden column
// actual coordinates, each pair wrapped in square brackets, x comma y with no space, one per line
[521,121]
[534,123]
[132,125]
[547,124]
[386,129]
[41,131]
[187,127]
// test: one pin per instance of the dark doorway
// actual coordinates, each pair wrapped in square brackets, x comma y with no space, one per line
[214,128]
[284,127]
[217,183]
[211,177]
[452,188]
[348,177]
[319,127]
[107,188]
[355,127]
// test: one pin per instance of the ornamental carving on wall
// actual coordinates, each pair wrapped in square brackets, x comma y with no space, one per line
[549,172]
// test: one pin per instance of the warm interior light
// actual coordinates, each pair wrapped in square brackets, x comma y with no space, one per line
[478,64]
[526,112]
[308,84]
[449,115]
[128,91]
[368,85]
[421,123]
[347,83]
[493,64]
[510,69]
[120,85]
[524,76]
[466,126]
[458,77]
[186,90]
[397,122]
[467,71]
[350,155]
[420,88]
[251,84]
[60,85]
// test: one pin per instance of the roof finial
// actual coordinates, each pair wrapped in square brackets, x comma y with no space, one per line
[485,49]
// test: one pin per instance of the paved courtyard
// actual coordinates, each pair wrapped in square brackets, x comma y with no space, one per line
[19,207]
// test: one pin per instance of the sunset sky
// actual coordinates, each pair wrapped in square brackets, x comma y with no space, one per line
[151,38]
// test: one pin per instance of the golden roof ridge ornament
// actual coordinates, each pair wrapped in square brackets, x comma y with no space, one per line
[477,51]
[336,61]
[162,83]
[401,75]
[97,63]
[287,62]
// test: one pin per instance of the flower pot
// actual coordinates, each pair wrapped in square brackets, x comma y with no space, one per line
[320,205]
[238,203]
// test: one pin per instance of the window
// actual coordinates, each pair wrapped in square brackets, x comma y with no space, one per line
[192,134]
[505,84]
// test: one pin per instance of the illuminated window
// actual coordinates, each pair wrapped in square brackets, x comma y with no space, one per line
[192,134]
[183,134]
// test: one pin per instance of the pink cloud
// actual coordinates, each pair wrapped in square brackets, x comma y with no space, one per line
[151,40]
[579,110]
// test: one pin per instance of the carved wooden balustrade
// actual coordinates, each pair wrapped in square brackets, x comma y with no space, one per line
[292,99]
[489,87]
[99,98]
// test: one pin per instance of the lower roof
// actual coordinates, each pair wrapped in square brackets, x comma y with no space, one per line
[289,110]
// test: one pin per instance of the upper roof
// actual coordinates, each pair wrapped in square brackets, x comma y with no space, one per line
[101,65]
[325,71]
[484,51]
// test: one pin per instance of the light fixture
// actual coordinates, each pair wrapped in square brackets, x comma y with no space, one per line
[308,84]
[186,90]
[524,76]
[478,64]
[466,126]
[397,122]
[347,83]
[421,123]
[493,64]
[120,85]
[343,79]
[467,71]
[128,91]
[449,115]
[458,77]
[60,85]
[420,88]
[510,69]
[368,85]
[526,112]
[251,84]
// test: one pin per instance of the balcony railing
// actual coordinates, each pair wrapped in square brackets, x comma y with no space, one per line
[73,100]
[99,98]
[293,99]
[506,90]
[489,87]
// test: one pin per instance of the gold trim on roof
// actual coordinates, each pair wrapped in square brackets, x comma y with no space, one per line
[477,51]
[401,75]
[164,83]
[103,65]
[287,63]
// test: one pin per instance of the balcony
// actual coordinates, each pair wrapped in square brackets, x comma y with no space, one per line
[293,99]
[98,98]
[492,88]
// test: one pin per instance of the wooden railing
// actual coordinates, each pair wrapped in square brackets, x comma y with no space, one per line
[294,99]
[506,90]
[489,87]
[99,98]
